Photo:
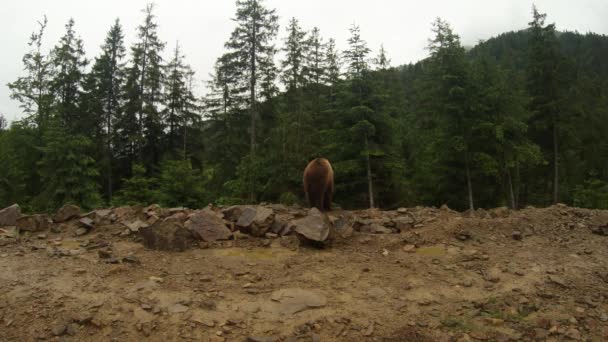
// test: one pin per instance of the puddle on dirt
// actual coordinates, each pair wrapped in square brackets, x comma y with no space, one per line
[70,244]
[254,253]
[432,251]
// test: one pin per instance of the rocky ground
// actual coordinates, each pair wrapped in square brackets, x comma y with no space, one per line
[275,273]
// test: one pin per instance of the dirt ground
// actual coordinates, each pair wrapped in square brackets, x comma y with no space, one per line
[528,275]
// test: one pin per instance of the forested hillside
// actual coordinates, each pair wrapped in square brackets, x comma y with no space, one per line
[517,120]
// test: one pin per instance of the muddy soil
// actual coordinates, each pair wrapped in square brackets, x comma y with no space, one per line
[528,275]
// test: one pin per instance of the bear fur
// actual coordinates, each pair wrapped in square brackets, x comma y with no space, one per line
[319,183]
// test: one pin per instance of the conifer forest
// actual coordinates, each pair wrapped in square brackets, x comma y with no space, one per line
[519,119]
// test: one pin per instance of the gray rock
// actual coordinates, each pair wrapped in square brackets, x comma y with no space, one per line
[136,225]
[376,293]
[177,308]
[278,225]
[59,329]
[261,339]
[9,232]
[67,212]
[233,213]
[167,236]
[404,222]
[81,231]
[516,235]
[258,215]
[344,227]
[376,228]
[131,259]
[207,226]
[314,227]
[10,215]
[293,300]
[87,223]
[33,223]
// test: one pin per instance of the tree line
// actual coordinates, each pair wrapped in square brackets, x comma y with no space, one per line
[517,120]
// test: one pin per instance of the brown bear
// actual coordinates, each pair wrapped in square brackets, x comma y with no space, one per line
[319,183]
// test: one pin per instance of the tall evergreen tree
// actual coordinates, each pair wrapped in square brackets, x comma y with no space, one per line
[33,90]
[180,110]
[293,65]
[543,84]
[251,52]
[449,73]
[68,59]
[315,67]
[144,92]
[104,85]
[360,114]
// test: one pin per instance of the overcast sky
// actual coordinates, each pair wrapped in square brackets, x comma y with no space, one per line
[202,26]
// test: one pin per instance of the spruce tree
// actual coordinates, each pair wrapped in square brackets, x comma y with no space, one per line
[544,86]
[314,68]
[449,74]
[143,92]
[32,91]
[251,53]
[68,173]
[104,85]
[68,59]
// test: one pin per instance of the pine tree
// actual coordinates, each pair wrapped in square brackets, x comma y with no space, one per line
[356,55]
[68,59]
[293,65]
[314,69]
[382,62]
[356,59]
[143,92]
[449,73]
[543,84]
[180,184]
[334,64]
[33,90]
[68,173]
[251,53]
[138,189]
[104,95]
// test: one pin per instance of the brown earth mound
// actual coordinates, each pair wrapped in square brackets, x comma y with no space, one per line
[249,273]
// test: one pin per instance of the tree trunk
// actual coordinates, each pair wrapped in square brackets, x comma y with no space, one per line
[252,108]
[555,162]
[141,97]
[469,184]
[511,192]
[369,175]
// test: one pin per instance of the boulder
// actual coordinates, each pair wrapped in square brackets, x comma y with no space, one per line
[257,215]
[33,223]
[136,225]
[404,222]
[344,227]
[208,226]
[67,212]
[9,215]
[167,236]
[255,220]
[315,227]
[87,223]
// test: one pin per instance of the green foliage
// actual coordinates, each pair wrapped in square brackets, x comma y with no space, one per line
[138,189]
[67,171]
[592,194]
[181,185]
[519,119]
